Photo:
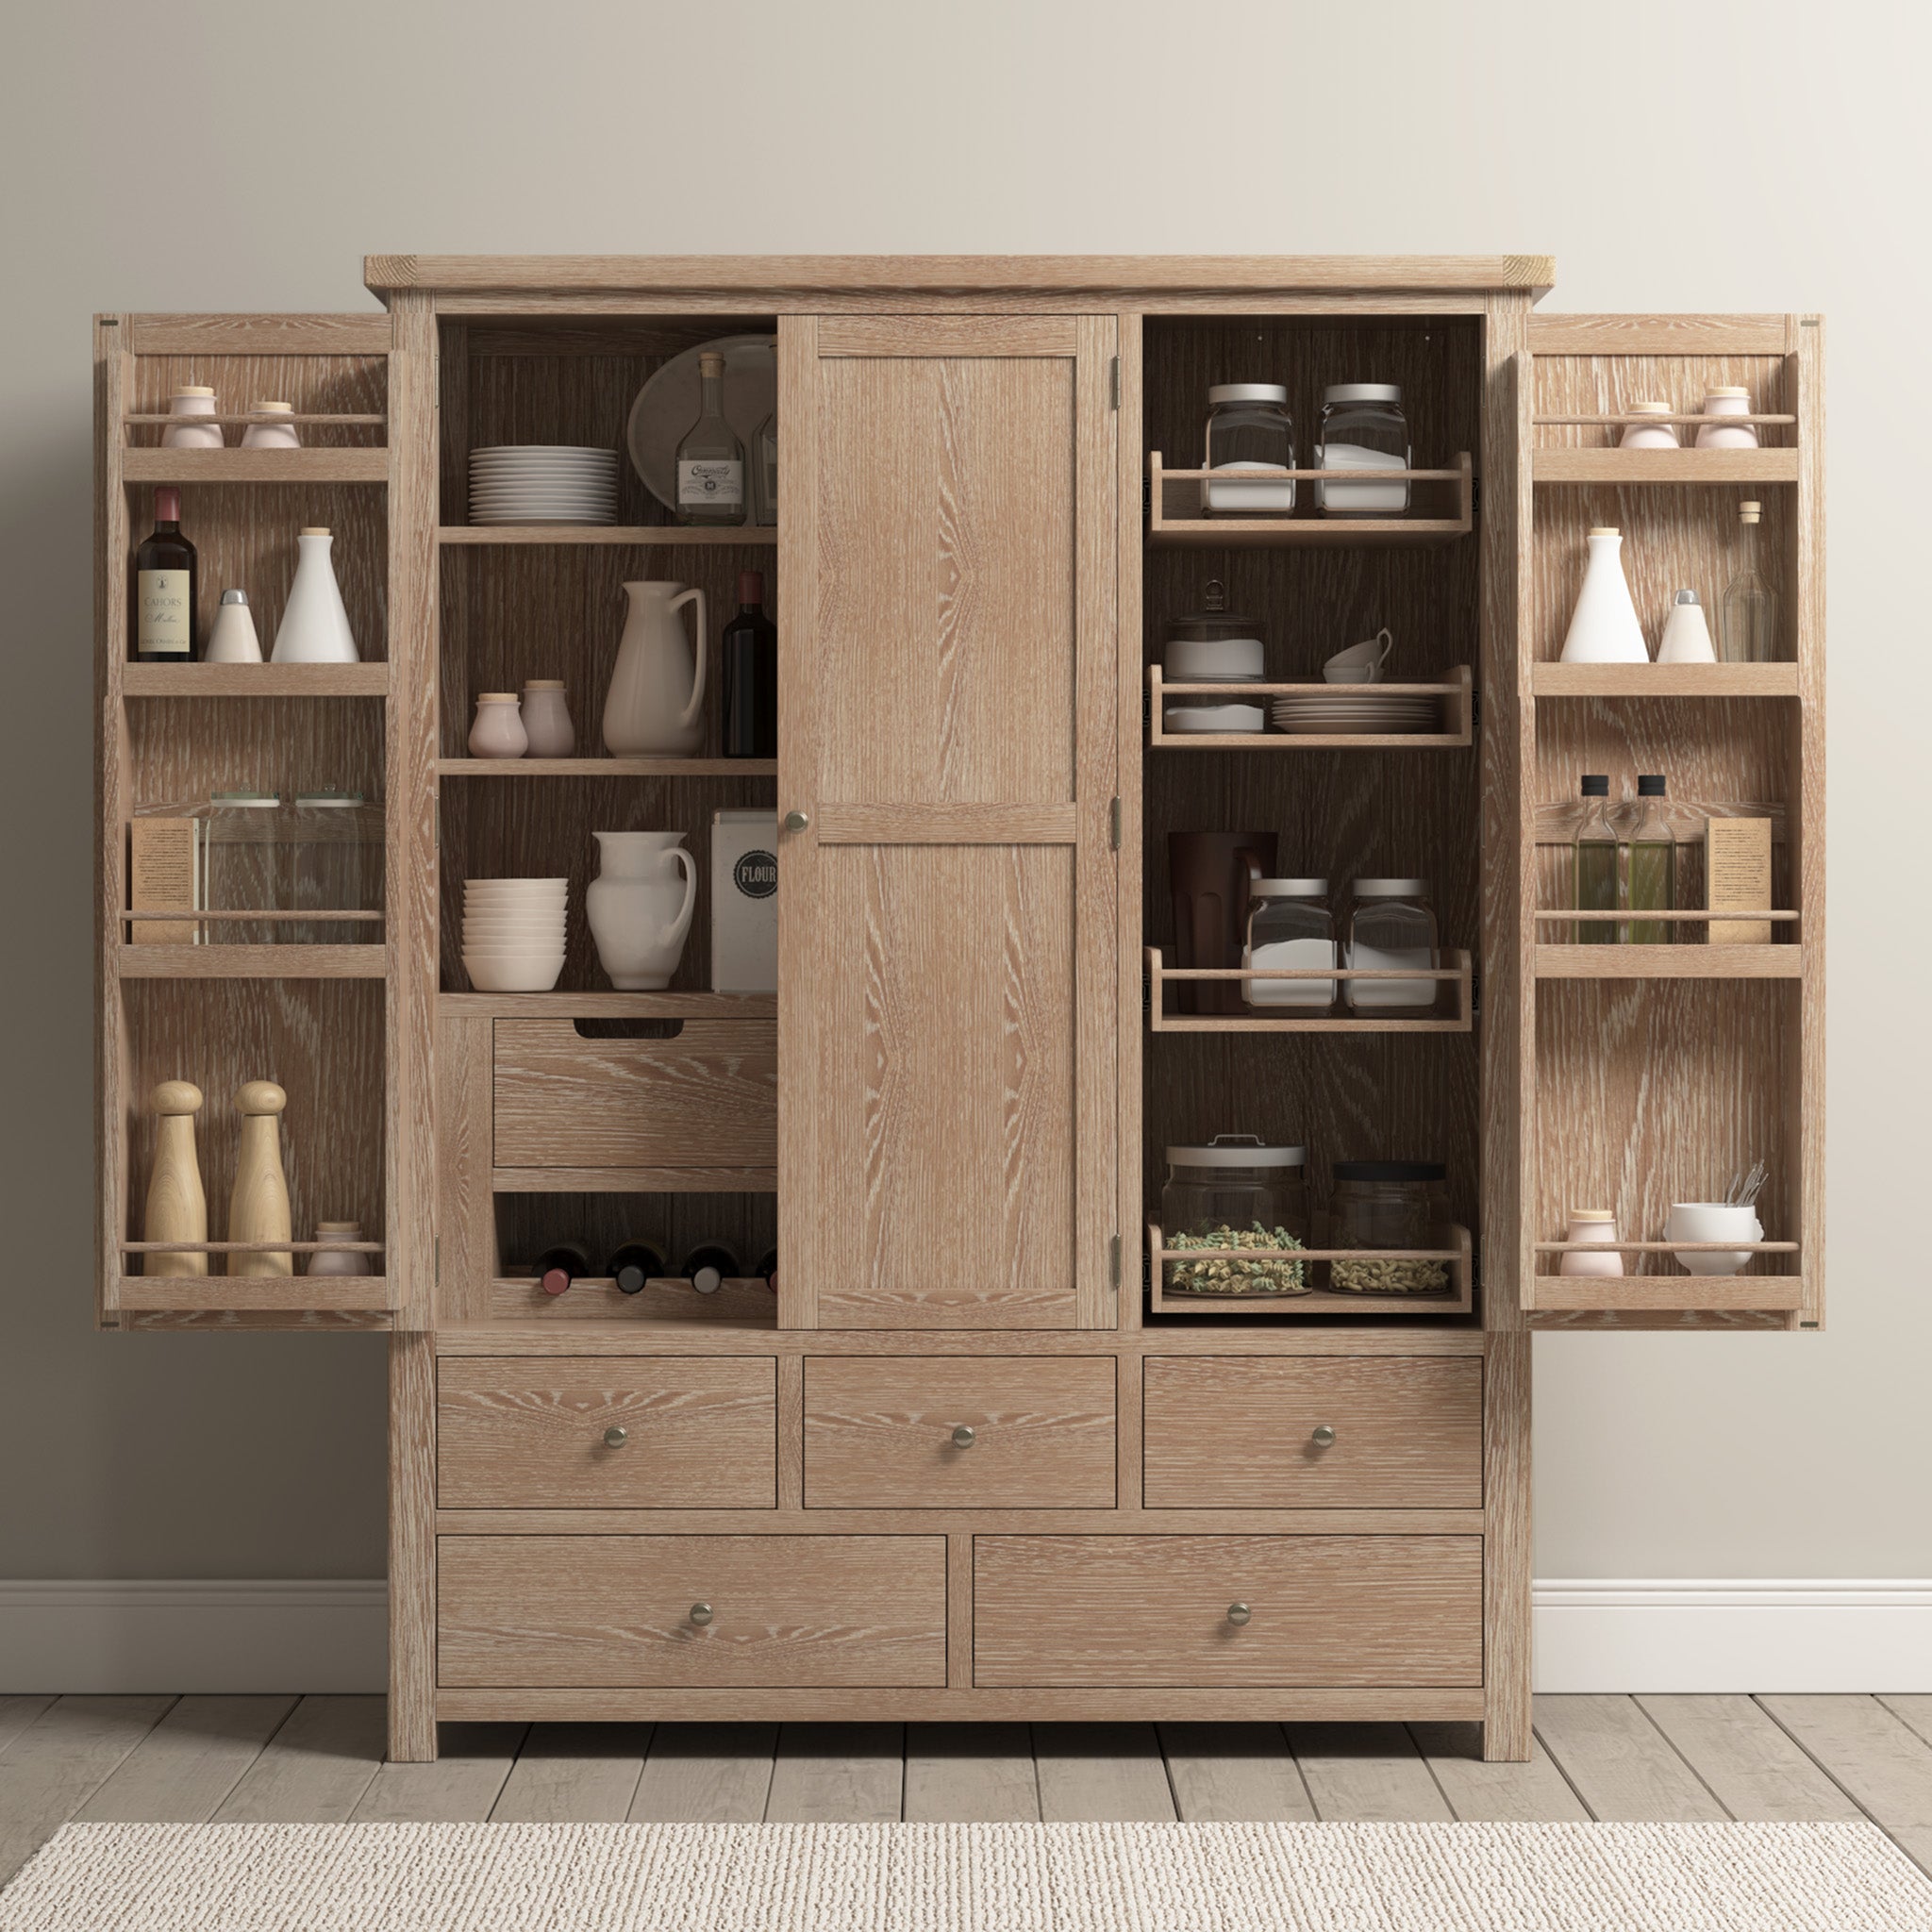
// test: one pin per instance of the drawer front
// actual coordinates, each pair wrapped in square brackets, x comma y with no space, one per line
[708,1098]
[879,1432]
[530,1433]
[617,1612]
[1239,1432]
[1324,1611]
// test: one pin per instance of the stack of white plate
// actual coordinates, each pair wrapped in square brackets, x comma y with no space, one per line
[1354,708]
[543,483]
[514,933]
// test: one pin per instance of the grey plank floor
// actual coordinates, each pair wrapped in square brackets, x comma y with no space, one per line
[319,1760]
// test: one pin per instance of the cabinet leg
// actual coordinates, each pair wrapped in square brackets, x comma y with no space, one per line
[411,1548]
[1507,1615]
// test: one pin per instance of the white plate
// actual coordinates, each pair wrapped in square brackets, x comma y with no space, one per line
[1215,718]
[526,499]
[497,516]
[667,406]
[581,451]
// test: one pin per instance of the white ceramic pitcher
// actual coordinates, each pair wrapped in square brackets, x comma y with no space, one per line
[655,702]
[315,624]
[1604,628]
[639,909]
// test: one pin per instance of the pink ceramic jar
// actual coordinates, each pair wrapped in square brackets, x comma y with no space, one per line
[1649,435]
[187,404]
[338,1262]
[498,732]
[1592,1224]
[272,434]
[1728,402]
[546,719]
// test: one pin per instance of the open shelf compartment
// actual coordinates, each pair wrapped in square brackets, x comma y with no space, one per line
[1455,1249]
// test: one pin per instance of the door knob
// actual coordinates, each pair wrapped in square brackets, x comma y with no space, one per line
[1239,1613]
[1323,1437]
[701,1614]
[963,1437]
[615,1438]
[796,820]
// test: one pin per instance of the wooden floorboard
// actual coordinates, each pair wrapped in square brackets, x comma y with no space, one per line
[183,1770]
[1233,1772]
[1879,1758]
[838,1774]
[457,1789]
[706,1774]
[316,1768]
[970,1774]
[1366,1774]
[1479,1794]
[573,1774]
[1752,1766]
[1622,1767]
[55,1765]
[1089,1772]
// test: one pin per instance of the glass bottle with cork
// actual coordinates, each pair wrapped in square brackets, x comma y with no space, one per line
[1747,620]
[710,460]
[164,626]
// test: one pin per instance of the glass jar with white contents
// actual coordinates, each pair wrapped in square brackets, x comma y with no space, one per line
[1392,926]
[1249,429]
[1362,428]
[1290,926]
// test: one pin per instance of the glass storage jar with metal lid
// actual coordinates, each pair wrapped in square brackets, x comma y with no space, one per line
[1289,926]
[1249,428]
[1212,645]
[1392,926]
[1389,1204]
[335,865]
[1362,428]
[1244,1203]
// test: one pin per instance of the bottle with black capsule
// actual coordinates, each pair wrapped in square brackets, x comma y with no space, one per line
[635,1263]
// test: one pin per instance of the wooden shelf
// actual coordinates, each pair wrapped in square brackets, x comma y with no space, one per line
[1455,688]
[1456,970]
[607,768]
[1456,1250]
[671,1301]
[609,1006]
[1311,526]
[367,680]
[185,1294]
[1613,466]
[365,961]
[188,466]
[634,1180]
[758,535]
[1575,961]
[1610,1293]
[1664,680]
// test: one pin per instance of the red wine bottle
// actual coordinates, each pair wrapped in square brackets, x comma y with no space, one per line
[161,628]
[709,1266]
[767,1270]
[750,675]
[557,1267]
[635,1263]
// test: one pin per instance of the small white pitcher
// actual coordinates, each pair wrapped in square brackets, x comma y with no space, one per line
[656,704]
[640,911]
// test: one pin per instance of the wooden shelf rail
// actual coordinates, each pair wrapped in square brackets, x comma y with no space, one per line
[1315,528]
[1455,691]
[1456,971]
[1456,1249]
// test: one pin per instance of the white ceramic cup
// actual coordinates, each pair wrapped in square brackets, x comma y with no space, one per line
[1713,1221]
[1362,663]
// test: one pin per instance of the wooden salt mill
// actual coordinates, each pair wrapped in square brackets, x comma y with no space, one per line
[176,1203]
[259,1208]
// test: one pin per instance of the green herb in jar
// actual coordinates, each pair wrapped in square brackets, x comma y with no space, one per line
[1238,1261]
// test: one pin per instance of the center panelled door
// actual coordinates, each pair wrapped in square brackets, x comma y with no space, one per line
[948,916]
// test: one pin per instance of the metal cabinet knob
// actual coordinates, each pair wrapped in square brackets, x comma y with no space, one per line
[796,820]
[1323,1437]
[963,1437]
[615,1438]
[1239,1613]
[701,1614]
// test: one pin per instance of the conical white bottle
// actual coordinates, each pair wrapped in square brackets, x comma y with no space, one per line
[315,624]
[1604,627]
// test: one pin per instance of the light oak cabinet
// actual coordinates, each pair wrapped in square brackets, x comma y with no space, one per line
[974,1458]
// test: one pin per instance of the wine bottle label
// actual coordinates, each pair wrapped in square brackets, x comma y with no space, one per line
[160,611]
[711,480]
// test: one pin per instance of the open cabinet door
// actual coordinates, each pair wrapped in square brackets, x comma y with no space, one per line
[947,986]
[1663,1057]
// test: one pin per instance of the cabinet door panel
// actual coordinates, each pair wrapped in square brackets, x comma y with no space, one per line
[947,922]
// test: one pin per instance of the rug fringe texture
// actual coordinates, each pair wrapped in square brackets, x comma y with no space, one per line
[1262,1877]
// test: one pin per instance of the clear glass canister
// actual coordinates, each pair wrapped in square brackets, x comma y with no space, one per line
[1392,926]
[1363,429]
[335,864]
[1249,428]
[1290,926]
[226,857]
[1245,1200]
[1388,1204]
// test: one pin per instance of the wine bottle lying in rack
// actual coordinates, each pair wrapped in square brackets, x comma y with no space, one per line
[635,1263]
[557,1267]
[767,1270]
[710,1265]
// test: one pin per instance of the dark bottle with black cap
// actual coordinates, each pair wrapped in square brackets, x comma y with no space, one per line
[635,1263]
[750,653]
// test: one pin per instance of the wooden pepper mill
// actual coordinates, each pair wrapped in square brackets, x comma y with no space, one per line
[176,1203]
[259,1208]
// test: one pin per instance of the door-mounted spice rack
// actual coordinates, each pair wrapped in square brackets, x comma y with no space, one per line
[1457,971]
[1455,1249]
[1455,691]
[1449,513]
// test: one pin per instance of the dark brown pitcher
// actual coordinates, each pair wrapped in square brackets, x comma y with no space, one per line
[1210,873]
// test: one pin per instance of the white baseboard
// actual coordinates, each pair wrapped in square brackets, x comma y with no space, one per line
[1606,1635]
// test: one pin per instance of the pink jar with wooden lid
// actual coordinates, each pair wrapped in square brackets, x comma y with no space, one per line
[1592,1224]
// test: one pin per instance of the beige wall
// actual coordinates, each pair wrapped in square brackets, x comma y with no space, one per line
[1704,157]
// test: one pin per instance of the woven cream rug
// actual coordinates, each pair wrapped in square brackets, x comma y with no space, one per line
[968,1878]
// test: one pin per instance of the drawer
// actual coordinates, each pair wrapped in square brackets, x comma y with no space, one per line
[1238,1432]
[707,1098]
[1324,1611]
[531,1432]
[879,1432]
[616,1613]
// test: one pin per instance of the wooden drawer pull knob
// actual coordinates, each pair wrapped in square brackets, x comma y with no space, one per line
[1239,1614]
[1323,1437]
[963,1437]
[701,1614]
[615,1438]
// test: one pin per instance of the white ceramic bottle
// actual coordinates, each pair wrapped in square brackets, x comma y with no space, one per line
[498,732]
[639,909]
[1687,635]
[655,702]
[233,639]
[315,623]
[1604,627]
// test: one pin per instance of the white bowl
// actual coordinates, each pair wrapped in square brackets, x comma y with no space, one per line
[513,955]
[490,977]
[483,937]
[1211,661]
[1241,718]
[1713,1221]
[515,889]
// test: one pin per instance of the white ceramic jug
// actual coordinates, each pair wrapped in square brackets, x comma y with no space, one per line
[315,624]
[655,702]
[639,909]
[1604,628]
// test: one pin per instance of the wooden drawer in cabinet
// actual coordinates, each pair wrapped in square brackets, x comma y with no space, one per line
[707,1098]
[616,1432]
[1227,1611]
[955,1432]
[1313,1432]
[619,1612]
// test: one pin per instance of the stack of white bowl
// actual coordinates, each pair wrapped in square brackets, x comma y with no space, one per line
[514,933]
[543,483]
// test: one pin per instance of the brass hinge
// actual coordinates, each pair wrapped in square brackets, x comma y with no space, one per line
[1113,821]
[1475,710]
[1114,1262]
[1116,382]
